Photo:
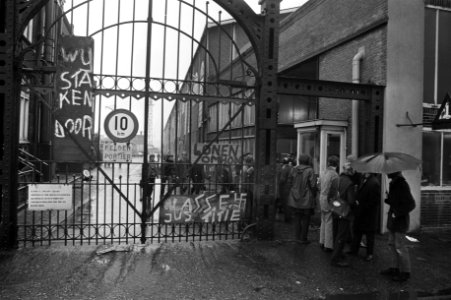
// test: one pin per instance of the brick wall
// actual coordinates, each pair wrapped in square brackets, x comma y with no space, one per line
[435,209]
[336,65]
[322,23]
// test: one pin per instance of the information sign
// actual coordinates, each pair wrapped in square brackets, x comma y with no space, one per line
[443,118]
[119,152]
[50,196]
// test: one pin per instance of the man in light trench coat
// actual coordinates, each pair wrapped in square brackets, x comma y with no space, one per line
[326,239]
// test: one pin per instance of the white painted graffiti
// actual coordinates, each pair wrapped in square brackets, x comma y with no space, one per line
[204,208]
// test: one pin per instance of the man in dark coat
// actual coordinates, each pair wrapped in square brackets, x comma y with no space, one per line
[301,198]
[284,188]
[366,210]
[345,185]
[197,175]
[401,204]
[248,186]
[153,173]
[168,173]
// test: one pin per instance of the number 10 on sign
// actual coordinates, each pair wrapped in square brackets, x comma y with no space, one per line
[121,125]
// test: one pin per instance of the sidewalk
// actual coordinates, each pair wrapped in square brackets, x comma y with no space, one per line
[279,269]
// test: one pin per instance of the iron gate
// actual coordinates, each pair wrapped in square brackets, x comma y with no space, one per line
[188,74]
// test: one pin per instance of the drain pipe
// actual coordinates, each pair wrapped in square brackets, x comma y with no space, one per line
[355,103]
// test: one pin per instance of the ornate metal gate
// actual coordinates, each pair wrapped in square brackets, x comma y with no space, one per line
[148,108]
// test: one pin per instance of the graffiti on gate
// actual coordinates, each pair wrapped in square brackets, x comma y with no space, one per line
[217,153]
[207,208]
[74,103]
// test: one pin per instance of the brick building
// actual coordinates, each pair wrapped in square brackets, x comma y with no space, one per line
[36,128]
[369,42]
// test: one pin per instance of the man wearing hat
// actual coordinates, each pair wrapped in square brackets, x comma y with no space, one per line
[284,188]
[401,204]
[345,186]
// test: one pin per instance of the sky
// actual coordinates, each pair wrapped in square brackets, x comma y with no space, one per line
[112,58]
[283,5]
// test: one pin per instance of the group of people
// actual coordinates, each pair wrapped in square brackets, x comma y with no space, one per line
[181,177]
[349,206]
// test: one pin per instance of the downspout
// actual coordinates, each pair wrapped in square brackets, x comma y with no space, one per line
[355,103]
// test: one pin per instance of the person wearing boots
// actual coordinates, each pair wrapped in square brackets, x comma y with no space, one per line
[284,188]
[366,214]
[345,186]
[401,204]
[301,199]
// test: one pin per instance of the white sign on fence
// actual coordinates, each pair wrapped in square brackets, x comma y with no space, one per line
[119,152]
[50,196]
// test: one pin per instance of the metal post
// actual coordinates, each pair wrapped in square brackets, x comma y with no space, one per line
[145,168]
[9,106]
[266,122]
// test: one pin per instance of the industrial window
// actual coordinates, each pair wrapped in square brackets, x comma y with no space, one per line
[249,115]
[24,109]
[436,167]
[28,32]
[224,115]
[436,159]
[437,61]
[294,109]
[213,115]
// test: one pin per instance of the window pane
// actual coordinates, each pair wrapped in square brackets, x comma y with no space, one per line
[444,59]
[213,118]
[308,142]
[429,55]
[447,159]
[333,146]
[285,109]
[300,109]
[431,159]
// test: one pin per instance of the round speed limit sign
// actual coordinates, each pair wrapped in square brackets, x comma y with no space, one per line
[121,125]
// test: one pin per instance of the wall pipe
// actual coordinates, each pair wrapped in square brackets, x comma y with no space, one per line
[355,103]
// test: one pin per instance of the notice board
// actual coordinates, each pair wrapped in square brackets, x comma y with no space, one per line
[50,196]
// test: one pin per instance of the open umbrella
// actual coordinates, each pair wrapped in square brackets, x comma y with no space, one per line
[385,162]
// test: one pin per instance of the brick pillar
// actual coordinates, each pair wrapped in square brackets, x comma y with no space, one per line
[266,123]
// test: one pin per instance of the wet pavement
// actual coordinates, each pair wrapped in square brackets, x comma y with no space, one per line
[279,269]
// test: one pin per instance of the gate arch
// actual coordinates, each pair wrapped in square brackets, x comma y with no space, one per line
[212,82]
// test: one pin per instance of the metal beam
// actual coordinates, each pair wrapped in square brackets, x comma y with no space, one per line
[27,10]
[329,89]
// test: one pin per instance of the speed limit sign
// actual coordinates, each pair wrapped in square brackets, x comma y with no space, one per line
[121,125]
